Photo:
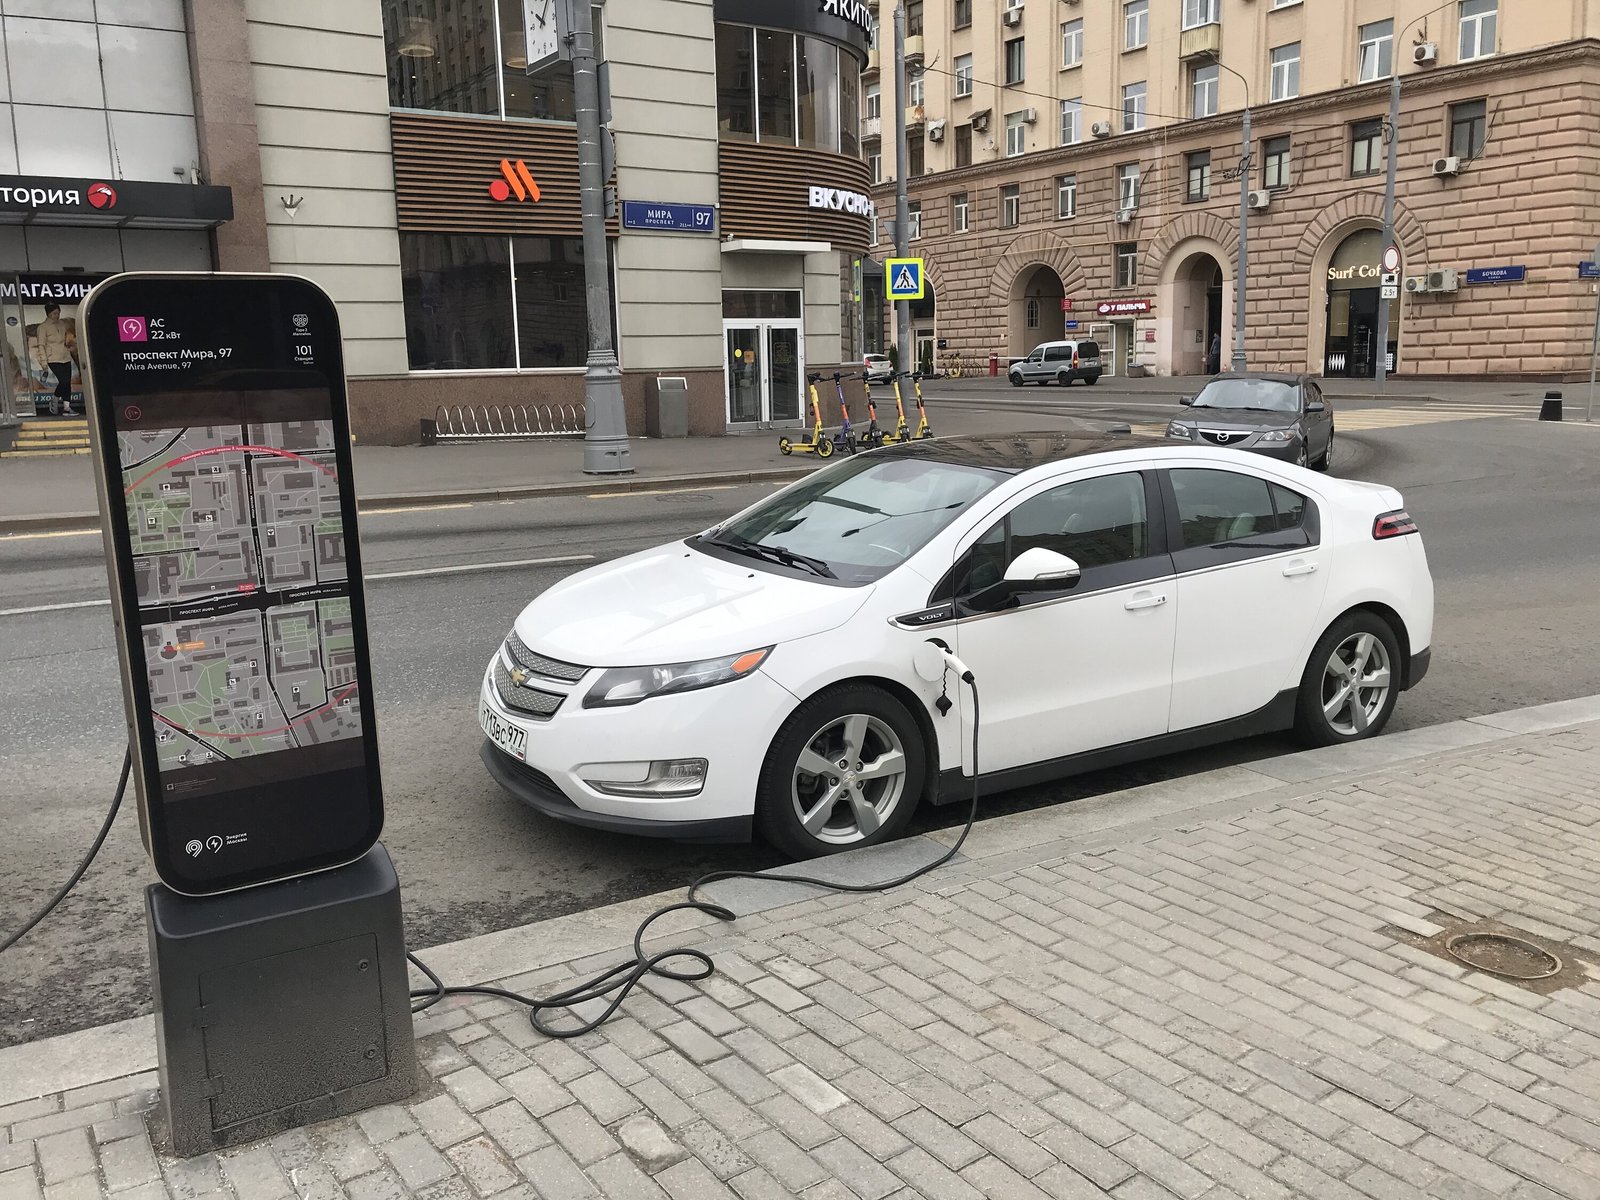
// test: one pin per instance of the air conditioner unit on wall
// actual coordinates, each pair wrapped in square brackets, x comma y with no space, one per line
[1030,116]
[936,131]
[1448,165]
[1425,53]
[1416,283]
[1012,16]
[1100,129]
[1260,200]
[1445,280]
[1125,216]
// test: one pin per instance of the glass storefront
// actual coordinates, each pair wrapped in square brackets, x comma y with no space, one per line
[471,56]
[492,303]
[1354,276]
[775,86]
[764,356]
[43,358]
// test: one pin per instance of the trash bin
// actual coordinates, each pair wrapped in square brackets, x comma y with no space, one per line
[666,407]
[994,366]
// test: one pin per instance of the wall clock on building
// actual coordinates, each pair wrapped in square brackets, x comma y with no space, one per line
[544,41]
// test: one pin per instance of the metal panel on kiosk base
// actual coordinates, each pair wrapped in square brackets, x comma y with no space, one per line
[280,1005]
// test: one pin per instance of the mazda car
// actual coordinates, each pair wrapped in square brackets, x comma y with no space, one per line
[1283,416]
[1115,597]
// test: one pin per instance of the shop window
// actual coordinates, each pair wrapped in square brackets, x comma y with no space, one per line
[818,93]
[1016,62]
[1275,158]
[1127,256]
[1366,147]
[1135,24]
[1478,20]
[1286,71]
[1072,121]
[760,306]
[736,82]
[849,106]
[959,212]
[963,145]
[1133,106]
[775,86]
[1468,129]
[1199,172]
[459,308]
[1066,197]
[1375,46]
[1203,83]
[1071,43]
[1011,206]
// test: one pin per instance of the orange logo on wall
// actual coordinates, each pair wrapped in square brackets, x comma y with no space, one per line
[515,181]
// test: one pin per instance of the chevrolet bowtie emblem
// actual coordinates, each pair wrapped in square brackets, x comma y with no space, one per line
[519,676]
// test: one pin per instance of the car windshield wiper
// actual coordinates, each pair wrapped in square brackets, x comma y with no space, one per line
[777,554]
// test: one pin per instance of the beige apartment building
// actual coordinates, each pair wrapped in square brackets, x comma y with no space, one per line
[1074,171]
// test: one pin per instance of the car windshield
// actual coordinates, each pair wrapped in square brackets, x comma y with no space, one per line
[1265,395]
[856,520]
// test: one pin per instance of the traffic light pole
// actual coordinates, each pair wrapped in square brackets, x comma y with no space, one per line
[1393,156]
[902,206]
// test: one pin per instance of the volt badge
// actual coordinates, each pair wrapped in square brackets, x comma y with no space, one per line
[515,180]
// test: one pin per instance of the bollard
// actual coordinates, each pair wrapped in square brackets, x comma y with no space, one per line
[994,365]
[1550,410]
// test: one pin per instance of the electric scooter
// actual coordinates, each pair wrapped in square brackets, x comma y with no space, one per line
[819,445]
[873,437]
[845,440]
[924,430]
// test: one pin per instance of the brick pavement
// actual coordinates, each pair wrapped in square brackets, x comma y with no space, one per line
[1210,1003]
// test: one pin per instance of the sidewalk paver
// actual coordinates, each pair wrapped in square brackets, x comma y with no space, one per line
[1206,1003]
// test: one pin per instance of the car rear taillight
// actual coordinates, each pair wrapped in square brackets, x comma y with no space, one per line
[1393,524]
[1074,360]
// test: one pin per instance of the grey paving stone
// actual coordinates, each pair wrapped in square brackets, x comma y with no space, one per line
[64,1155]
[603,1097]
[255,1174]
[345,1150]
[26,1110]
[444,1122]
[876,1094]
[118,1128]
[931,1177]
[377,1185]
[580,1135]
[806,1086]
[416,1161]
[385,1123]
[756,1184]
[486,1168]
[20,1184]
[555,1176]
[787,1163]
[514,1129]
[1023,1155]
[620,1179]
[58,1122]
[1161,1165]
[1085,1156]
[728,1113]
[649,1145]
[743,1080]
[474,1089]
[663,1103]
[856,1169]
[721,1156]
[799,1123]
[537,1091]
[17,1155]
[689,1180]
[189,1178]
[998,1181]
[79,1187]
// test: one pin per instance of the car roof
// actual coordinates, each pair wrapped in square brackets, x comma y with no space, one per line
[1268,376]
[1013,453]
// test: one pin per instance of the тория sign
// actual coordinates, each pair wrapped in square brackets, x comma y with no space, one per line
[118,201]
[1122,308]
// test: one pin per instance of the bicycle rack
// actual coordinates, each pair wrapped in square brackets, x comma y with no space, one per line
[502,422]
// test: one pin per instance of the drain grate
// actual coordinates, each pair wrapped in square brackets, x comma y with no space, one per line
[1538,964]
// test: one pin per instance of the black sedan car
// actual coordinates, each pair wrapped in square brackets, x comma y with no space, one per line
[1284,416]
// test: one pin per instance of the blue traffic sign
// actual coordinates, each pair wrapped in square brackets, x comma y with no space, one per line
[1072,324]
[1496,274]
[903,278]
[669,218]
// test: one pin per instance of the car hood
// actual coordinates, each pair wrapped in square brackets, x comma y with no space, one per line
[1237,418]
[676,604]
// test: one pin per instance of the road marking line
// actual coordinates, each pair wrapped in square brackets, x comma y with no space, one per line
[456,570]
[24,537]
[716,487]
[381,512]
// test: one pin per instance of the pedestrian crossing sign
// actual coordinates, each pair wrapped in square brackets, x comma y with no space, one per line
[904,278]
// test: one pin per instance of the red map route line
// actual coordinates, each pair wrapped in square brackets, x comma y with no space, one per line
[193,454]
[300,720]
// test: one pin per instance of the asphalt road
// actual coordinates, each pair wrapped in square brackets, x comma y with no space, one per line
[1506,506]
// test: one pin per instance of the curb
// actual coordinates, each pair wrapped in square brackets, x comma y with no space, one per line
[96,1055]
[58,522]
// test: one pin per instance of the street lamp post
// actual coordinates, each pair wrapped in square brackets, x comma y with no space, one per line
[1241,285]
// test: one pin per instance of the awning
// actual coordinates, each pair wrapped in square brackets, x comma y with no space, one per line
[112,203]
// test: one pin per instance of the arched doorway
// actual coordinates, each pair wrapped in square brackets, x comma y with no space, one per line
[1350,348]
[1036,313]
[1196,309]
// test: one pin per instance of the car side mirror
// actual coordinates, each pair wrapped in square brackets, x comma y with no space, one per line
[1041,570]
[1316,406]
[1186,400]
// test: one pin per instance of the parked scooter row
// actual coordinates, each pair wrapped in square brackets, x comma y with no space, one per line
[843,440]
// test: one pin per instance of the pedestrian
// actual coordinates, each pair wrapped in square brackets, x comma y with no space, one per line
[52,333]
[1214,358]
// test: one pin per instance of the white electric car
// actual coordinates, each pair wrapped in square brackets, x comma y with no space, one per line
[1115,598]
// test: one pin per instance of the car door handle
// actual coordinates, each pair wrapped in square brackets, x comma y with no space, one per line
[1145,602]
[1299,568]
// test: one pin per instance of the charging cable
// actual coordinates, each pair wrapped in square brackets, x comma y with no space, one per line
[625,976]
[99,840]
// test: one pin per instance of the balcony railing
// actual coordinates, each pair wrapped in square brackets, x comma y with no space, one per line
[1205,41]
[871,127]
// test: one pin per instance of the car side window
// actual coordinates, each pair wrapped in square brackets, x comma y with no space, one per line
[1290,507]
[1102,524]
[1055,354]
[1226,516]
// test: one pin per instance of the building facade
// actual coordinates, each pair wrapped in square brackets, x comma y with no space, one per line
[408,157]
[1074,171]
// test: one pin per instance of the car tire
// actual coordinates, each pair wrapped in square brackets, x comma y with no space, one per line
[1064,379]
[1326,712]
[1091,380]
[1016,380]
[883,729]
[1327,455]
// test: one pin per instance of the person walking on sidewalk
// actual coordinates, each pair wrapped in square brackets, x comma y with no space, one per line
[53,348]
[1214,356]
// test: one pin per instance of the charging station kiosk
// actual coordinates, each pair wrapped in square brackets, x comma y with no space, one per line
[221,443]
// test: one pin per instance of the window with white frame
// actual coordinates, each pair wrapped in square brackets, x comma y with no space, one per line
[914,220]
[1011,206]
[1375,43]
[875,165]
[1203,86]
[1033,312]
[1133,106]
[1478,19]
[1127,264]
[1199,12]
[1286,71]
[1066,197]
[1275,152]
[1284,3]
[963,75]
[1016,134]
[1135,24]
[1072,121]
[874,101]
[1072,42]
[1128,186]
[1199,172]
[958,212]
[917,89]
[1016,62]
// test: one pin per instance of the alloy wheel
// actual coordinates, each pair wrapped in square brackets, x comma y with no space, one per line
[1356,683]
[849,780]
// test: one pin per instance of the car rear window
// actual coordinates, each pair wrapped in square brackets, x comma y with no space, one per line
[1088,349]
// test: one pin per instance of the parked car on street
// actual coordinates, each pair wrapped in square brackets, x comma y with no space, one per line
[1285,416]
[1116,597]
[1058,362]
[878,368]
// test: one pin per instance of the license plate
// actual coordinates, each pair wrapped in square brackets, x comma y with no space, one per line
[507,736]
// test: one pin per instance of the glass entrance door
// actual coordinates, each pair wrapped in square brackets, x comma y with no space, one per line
[764,369]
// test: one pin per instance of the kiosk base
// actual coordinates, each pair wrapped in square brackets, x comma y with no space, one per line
[281,1005]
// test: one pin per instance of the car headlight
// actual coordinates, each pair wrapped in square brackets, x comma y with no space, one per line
[1278,435]
[629,685]
[1174,430]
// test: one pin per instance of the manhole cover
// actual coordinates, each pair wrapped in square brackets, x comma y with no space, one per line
[1502,954]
